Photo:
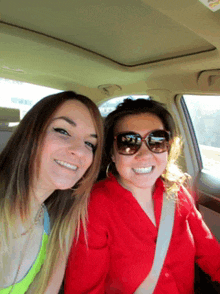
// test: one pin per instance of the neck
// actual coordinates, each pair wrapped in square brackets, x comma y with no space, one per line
[144,198]
[145,195]
[141,194]
[35,206]
[40,193]
[34,215]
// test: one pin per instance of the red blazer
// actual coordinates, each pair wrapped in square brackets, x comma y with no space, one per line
[122,240]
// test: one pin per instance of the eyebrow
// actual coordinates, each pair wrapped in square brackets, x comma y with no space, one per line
[71,122]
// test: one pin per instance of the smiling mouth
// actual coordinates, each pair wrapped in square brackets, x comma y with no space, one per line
[66,164]
[143,170]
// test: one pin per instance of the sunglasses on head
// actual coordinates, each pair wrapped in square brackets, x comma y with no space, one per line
[128,143]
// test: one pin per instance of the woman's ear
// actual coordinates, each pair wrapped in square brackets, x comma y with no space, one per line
[113,157]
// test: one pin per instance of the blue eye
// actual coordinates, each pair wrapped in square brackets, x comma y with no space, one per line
[92,146]
[61,131]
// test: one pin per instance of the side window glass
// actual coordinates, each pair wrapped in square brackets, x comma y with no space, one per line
[16,98]
[205,115]
[22,96]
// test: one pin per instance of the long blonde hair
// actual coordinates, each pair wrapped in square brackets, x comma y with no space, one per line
[66,208]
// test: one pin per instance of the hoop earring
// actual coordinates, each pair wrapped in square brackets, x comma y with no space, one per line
[107,169]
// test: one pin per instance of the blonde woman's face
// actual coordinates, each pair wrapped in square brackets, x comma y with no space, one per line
[68,148]
[142,169]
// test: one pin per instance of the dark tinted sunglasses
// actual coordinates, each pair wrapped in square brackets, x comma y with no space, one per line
[128,143]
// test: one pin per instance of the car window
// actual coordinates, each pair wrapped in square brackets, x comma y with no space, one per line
[110,105]
[22,96]
[205,116]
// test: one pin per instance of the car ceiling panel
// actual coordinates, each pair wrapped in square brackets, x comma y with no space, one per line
[42,43]
[129,32]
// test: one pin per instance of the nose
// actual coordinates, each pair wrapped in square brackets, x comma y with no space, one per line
[76,147]
[143,151]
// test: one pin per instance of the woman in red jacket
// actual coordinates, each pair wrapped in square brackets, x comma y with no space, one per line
[116,253]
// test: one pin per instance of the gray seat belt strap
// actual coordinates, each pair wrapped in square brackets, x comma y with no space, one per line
[163,241]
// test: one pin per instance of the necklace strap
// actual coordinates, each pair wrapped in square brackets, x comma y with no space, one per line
[35,222]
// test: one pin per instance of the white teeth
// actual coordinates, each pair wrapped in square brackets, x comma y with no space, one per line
[68,165]
[143,170]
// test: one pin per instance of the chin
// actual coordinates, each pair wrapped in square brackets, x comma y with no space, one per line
[62,186]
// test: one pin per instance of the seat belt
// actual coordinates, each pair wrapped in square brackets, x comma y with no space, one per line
[163,241]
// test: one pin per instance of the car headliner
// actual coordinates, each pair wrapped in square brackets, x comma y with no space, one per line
[109,48]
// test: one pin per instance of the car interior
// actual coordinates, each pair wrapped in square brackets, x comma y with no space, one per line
[167,50]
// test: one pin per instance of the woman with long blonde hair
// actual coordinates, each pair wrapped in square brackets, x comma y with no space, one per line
[46,172]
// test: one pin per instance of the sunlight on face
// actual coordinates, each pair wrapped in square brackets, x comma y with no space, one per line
[141,170]
[68,148]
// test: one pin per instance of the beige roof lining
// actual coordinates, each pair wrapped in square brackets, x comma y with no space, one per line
[53,63]
[128,32]
[95,53]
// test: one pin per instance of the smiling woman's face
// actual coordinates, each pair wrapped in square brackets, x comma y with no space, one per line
[67,150]
[141,170]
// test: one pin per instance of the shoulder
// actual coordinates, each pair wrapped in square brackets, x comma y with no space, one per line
[104,199]
[106,184]
[105,190]
[186,200]
[187,195]
[100,196]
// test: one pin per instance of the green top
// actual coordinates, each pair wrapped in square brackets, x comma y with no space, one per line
[22,286]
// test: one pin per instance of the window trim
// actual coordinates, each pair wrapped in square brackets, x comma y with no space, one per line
[192,132]
[206,183]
